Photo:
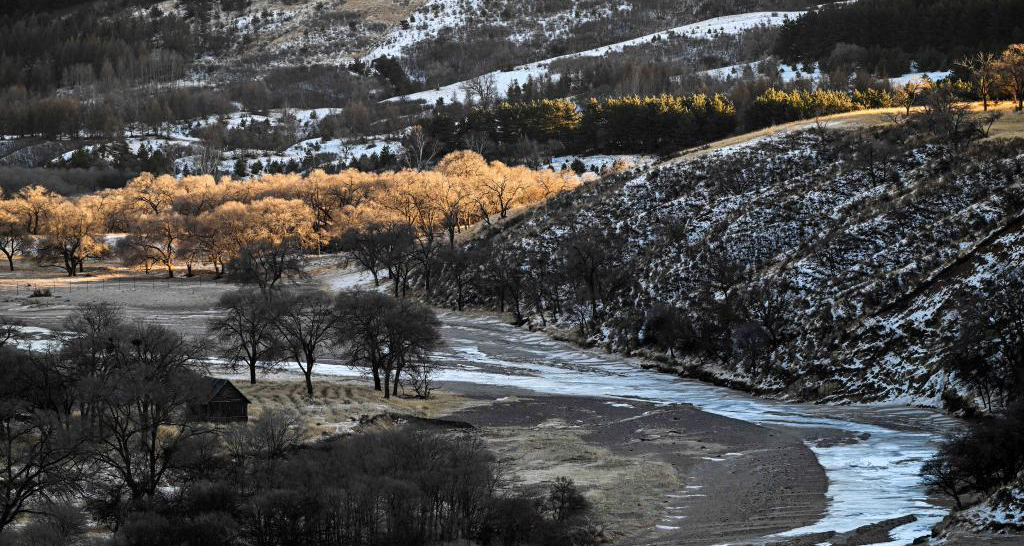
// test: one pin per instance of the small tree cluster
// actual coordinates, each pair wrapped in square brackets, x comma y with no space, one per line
[387,337]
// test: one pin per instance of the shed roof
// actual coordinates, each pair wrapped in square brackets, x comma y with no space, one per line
[217,385]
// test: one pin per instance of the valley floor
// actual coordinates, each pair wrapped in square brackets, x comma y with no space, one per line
[656,473]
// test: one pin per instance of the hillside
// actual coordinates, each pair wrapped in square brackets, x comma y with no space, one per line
[120,87]
[818,264]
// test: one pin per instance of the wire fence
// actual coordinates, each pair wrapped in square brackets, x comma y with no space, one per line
[80,285]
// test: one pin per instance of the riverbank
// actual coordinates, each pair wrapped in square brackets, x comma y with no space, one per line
[657,474]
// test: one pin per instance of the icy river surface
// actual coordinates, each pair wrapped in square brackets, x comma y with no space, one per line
[872,480]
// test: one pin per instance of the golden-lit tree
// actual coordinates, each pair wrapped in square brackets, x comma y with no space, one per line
[36,204]
[159,236]
[263,225]
[985,75]
[14,237]
[70,236]
[1011,65]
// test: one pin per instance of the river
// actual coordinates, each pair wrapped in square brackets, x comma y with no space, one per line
[872,480]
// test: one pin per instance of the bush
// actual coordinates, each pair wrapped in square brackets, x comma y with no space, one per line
[41,293]
[990,454]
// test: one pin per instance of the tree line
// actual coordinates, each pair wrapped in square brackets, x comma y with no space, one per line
[390,338]
[69,117]
[641,124]
[650,124]
[939,31]
[257,230]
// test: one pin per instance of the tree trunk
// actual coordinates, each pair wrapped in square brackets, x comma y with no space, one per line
[308,372]
[376,378]
[252,374]
[398,374]
[10,261]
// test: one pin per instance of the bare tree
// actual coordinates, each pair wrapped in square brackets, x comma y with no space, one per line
[398,245]
[419,148]
[270,435]
[304,327]
[984,69]
[39,459]
[10,330]
[1011,64]
[387,335]
[361,332]
[143,408]
[906,95]
[247,332]
[484,89]
[365,246]
[14,237]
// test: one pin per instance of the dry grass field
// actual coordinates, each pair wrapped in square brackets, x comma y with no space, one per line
[338,404]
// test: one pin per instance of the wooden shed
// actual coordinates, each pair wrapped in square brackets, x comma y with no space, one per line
[222,402]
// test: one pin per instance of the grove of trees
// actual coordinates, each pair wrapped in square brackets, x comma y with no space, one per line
[256,231]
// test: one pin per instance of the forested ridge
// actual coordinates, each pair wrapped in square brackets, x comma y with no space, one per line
[869,265]
[934,33]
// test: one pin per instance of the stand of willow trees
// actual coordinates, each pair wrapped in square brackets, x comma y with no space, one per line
[256,229]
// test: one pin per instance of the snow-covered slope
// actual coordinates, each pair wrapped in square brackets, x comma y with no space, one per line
[433,17]
[730,24]
[815,265]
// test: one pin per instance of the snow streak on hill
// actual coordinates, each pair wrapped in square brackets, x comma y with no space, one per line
[730,24]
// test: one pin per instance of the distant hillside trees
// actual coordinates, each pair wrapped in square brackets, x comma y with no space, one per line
[776,106]
[634,124]
[657,123]
[70,117]
[934,33]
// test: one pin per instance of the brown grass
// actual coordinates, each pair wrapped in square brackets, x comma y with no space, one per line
[338,404]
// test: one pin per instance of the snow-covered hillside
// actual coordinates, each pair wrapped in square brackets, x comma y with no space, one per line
[501,80]
[817,265]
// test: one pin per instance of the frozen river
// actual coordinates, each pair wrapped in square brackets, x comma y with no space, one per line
[872,480]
